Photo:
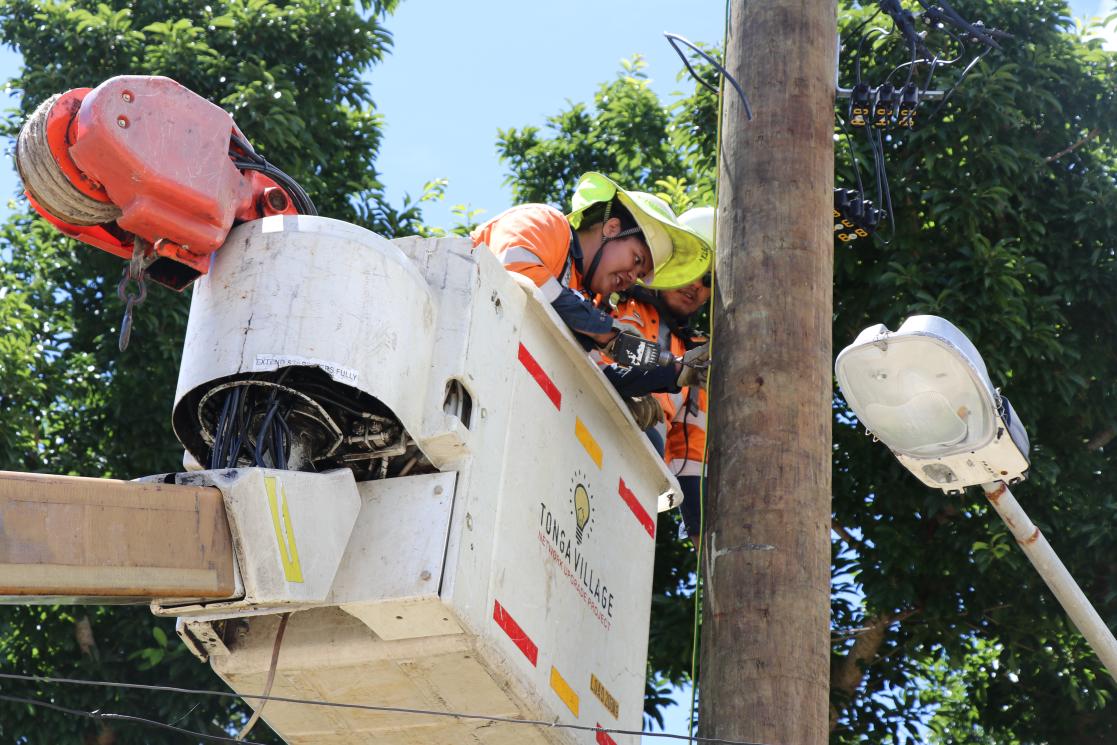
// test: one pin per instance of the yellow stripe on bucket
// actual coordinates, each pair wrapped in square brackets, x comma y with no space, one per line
[284,532]
[587,441]
[564,691]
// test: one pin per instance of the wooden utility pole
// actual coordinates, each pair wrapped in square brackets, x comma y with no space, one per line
[766,554]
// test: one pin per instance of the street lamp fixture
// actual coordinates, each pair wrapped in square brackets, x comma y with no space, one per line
[923,390]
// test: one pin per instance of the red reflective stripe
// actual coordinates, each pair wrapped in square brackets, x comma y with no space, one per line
[515,633]
[637,509]
[603,738]
[540,377]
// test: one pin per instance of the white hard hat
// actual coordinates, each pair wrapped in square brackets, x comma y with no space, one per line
[701,221]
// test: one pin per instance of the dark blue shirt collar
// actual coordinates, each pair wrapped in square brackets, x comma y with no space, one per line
[576,252]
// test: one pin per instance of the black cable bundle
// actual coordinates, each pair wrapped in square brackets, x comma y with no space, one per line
[231,433]
[272,436]
[228,435]
[249,160]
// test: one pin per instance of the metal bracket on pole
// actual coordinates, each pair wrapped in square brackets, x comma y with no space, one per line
[1054,573]
[841,92]
[923,95]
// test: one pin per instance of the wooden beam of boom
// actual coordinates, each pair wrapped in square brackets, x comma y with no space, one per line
[73,539]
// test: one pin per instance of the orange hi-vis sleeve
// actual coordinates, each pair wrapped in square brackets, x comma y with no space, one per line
[685,448]
[686,432]
[532,240]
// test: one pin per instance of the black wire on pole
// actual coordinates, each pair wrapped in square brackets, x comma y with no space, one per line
[675,39]
[950,92]
[853,156]
[333,705]
[913,61]
[942,12]
[884,193]
[864,23]
[860,48]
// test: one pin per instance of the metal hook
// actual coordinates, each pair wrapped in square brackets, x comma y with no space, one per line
[130,299]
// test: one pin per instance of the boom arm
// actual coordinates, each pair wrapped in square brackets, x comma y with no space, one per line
[143,168]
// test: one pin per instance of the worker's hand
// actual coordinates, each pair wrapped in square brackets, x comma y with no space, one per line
[696,365]
[632,350]
[645,410]
[698,357]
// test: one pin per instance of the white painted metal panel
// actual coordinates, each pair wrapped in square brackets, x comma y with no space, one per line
[478,342]
[576,537]
[328,655]
[289,529]
[562,619]
[398,544]
[315,291]
[539,602]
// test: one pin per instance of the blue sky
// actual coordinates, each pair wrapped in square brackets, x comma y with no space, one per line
[459,71]
[449,86]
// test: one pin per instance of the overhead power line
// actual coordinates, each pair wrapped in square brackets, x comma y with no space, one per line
[104,716]
[329,704]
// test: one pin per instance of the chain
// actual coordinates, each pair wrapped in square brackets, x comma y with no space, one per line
[134,272]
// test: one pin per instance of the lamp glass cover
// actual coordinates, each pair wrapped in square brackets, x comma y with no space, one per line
[918,395]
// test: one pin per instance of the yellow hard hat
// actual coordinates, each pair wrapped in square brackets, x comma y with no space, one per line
[679,254]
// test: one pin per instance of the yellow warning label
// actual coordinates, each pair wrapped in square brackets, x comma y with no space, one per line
[564,691]
[604,696]
[284,533]
[587,441]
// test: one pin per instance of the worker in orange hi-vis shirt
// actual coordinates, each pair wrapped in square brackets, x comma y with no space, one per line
[663,317]
[611,240]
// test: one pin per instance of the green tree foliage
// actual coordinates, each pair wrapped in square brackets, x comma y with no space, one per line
[290,73]
[1004,216]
